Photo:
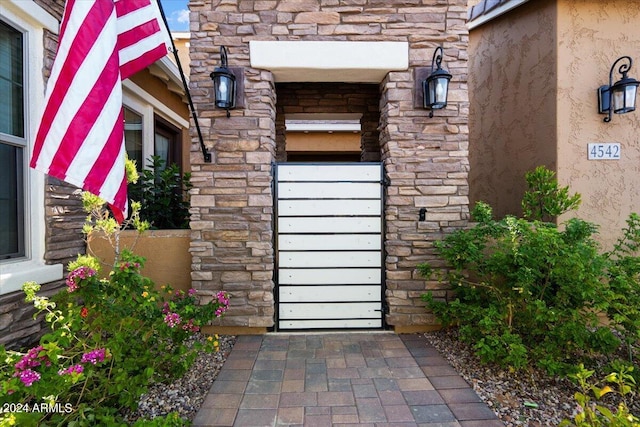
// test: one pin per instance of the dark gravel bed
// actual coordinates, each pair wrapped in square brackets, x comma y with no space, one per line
[519,398]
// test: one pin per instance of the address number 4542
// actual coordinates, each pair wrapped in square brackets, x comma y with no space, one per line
[609,151]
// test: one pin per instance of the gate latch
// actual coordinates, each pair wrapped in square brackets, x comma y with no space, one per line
[423,214]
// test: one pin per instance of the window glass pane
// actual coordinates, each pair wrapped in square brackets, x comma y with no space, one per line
[162,145]
[166,143]
[11,82]
[11,202]
[133,136]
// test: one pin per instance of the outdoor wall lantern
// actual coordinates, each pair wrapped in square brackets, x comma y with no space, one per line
[436,86]
[618,97]
[224,84]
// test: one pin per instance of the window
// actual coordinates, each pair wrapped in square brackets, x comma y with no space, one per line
[12,143]
[22,190]
[166,142]
[133,136]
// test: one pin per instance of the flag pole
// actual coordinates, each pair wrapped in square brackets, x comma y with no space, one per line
[205,152]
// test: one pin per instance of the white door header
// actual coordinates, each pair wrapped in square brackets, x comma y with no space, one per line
[329,61]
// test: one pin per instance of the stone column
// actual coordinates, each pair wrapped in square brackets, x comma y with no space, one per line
[232,201]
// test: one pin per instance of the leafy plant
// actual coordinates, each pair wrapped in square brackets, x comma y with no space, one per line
[163,195]
[528,291]
[108,340]
[623,286]
[593,414]
[544,200]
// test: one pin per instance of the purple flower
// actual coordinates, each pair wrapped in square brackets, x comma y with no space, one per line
[94,356]
[31,359]
[192,292]
[73,369]
[28,377]
[172,319]
[165,308]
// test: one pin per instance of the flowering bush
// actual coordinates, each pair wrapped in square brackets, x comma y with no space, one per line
[109,340]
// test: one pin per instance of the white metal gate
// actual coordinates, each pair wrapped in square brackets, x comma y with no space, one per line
[329,245]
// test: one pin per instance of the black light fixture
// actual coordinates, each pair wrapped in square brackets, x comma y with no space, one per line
[618,97]
[224,84]
[436,86]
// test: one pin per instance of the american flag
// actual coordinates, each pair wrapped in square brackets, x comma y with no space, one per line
[80,139]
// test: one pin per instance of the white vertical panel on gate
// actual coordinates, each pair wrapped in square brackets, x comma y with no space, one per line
[329,234]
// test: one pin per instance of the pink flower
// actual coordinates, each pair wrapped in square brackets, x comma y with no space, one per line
[29,377]
[73,369]
[128,265]
[172,319]
[94,356]
[165,308]
[189,326]
[222,298]
[192,292]
[78,274]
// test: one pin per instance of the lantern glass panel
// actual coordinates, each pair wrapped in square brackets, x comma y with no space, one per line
[224,89]
[436,93]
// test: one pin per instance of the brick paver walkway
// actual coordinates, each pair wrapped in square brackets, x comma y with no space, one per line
[376,379]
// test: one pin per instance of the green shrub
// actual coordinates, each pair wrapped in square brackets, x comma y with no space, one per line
[528,291]
[109,340]
[163,195]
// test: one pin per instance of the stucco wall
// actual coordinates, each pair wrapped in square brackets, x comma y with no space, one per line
[176,103]
[512,94]
[592,35]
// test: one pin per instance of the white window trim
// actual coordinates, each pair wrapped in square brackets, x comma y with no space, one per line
[143,103]
[28,16]
[146,112]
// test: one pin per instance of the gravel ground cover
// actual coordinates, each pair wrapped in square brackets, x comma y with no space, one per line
[185,394]
[524,398]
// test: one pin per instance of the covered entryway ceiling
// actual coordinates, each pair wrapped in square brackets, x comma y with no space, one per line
[324,61]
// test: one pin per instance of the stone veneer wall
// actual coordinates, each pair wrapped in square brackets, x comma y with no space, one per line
[335,98]
[63,239]
[426,159]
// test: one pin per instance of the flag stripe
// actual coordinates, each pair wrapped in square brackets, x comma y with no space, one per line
[140,36]
[84,120]
[66,66]
[132,67]
[90,151]
[81,134]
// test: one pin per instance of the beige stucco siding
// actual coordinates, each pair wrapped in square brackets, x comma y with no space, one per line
[591,36]
[512,91]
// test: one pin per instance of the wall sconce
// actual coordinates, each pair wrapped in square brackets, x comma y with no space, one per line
[619,98]
[436,86]
[224,84]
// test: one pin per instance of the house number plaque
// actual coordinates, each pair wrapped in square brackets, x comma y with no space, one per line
[603,151]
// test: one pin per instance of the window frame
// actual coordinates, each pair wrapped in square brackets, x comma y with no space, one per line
[152,111]
[30,19]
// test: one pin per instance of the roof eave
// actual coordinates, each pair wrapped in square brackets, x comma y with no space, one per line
[494,13]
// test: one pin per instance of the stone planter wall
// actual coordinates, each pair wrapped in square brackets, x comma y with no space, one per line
[426,159]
